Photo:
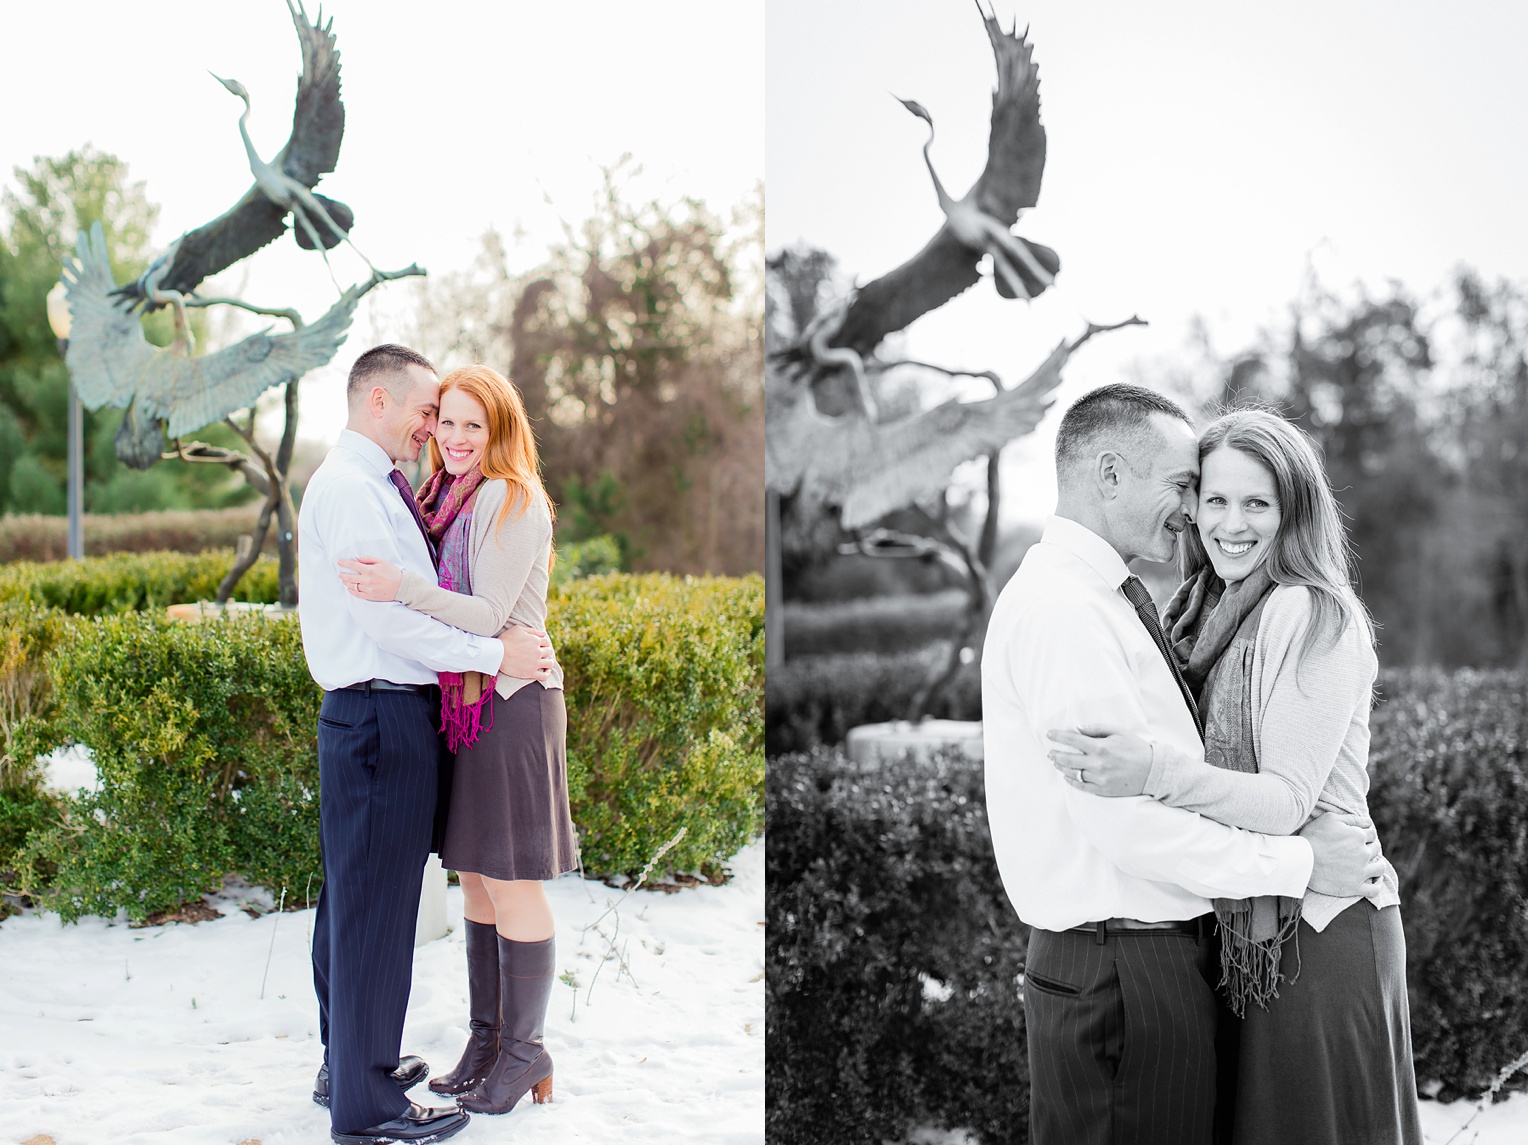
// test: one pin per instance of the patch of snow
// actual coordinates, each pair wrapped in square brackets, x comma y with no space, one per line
[159,1035]
[1505,1123]
[70,768]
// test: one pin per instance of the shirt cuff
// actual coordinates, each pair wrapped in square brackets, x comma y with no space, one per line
[490,654]
[1158,779]
[1296,859]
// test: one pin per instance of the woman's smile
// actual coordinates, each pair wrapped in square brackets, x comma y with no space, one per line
[1238,514]
[462,430]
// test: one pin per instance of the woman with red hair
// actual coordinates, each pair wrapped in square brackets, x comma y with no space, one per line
[509,828]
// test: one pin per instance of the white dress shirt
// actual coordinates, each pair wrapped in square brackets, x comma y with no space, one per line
[1065,649]
[351,509]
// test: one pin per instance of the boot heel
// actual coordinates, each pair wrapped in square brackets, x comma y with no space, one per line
[541,1092]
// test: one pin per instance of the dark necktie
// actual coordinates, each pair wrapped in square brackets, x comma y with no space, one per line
[1135,592]
[406,491]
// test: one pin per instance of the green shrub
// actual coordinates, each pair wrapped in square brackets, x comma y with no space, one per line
[865,863]
[665,680]
[592,557]
[36,537]
[817,699]
[129,582]
[203,736]
[893,955]
[1449,763]
[28,632]
[204,739]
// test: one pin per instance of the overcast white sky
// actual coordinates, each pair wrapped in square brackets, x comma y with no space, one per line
[1200,156]
[461,115]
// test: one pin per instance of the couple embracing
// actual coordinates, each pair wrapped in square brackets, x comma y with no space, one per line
[422,613]
[1178,802]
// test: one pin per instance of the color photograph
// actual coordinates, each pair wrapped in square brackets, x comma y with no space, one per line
[381,553]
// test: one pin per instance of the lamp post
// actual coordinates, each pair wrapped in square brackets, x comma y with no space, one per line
[60,318]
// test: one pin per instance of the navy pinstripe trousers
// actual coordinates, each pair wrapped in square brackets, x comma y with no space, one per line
[1121,1038]
[377,769]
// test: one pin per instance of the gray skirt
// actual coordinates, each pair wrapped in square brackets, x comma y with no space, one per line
[509,795]
[1329,1061]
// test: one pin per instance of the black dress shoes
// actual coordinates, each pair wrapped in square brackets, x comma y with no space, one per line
[418,1125]
[410,1072]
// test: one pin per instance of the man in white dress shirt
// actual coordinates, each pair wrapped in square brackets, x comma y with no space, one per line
[1119,985]
[378,752]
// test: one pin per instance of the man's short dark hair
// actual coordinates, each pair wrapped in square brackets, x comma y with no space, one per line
[1119,410]
[384,365]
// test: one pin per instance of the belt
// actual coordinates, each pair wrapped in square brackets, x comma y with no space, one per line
[370,686]
[1194,928]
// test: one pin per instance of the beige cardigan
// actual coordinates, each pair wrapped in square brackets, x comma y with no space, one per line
[510,572]
[1310,727]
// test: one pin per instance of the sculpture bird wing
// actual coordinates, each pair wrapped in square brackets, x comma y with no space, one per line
[937,273]
[112,363]
[232,379]
[108,356]
[251,223]
[1010,182]
[871,470]
[318,122]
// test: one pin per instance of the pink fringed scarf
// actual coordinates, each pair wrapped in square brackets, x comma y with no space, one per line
[463,695]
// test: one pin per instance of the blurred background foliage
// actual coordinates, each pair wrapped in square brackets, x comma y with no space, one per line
[638,345]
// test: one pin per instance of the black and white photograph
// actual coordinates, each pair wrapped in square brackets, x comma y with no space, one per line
[1146,491]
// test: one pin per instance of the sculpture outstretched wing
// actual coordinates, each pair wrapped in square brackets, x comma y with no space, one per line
[108,356]
[871,470]
[112,364]
[318,121]
[1009,183]
[251,223]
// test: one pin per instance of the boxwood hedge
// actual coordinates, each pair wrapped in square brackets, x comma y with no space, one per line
[204,736]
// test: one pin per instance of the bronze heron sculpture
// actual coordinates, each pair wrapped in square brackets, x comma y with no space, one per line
[113,365]
[976,225]
[282,187]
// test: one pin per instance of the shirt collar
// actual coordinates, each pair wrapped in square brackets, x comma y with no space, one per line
[1088,547]
[367,449]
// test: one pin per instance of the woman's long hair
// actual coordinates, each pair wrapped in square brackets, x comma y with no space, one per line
[1311,547]
[510,454]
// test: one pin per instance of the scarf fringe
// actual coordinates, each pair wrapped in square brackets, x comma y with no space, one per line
[1249,967]
[460,721]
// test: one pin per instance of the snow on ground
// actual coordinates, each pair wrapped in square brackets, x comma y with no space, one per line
[70,769]
[1505,1123]
[160,1034]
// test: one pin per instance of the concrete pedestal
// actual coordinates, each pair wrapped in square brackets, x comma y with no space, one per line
[211,610]
[879,741]
[432,903]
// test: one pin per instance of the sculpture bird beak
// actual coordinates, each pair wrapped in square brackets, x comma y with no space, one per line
[233,86]
[916,108]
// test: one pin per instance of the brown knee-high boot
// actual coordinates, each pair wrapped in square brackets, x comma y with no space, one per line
[483,1006]
[525,988]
